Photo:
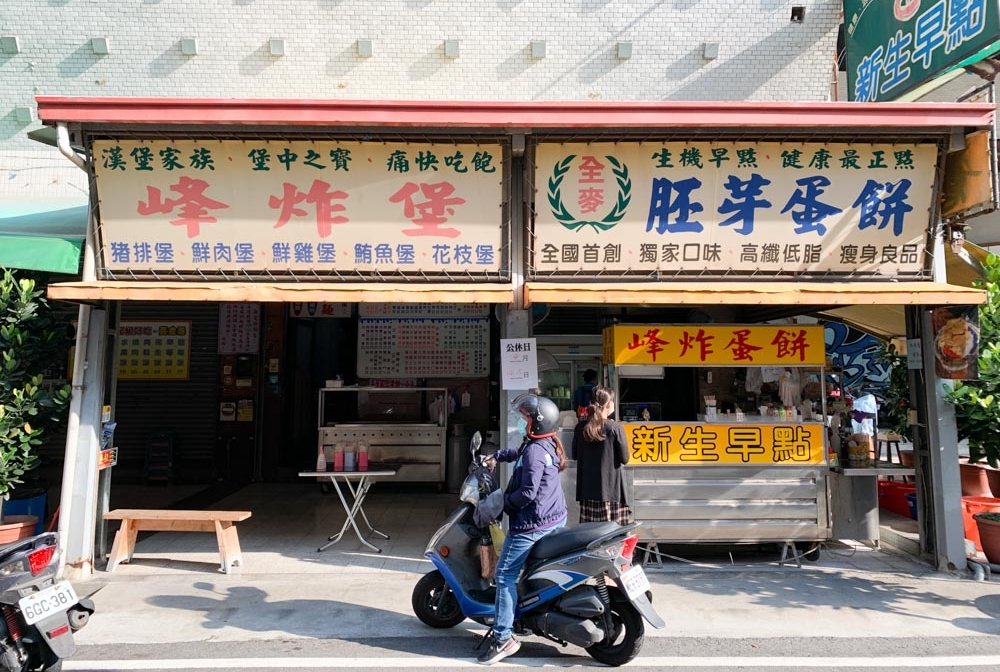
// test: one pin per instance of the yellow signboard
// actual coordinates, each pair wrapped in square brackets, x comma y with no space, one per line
[300,206]
[742,207]
[715,345]
[154,350]
[725,444]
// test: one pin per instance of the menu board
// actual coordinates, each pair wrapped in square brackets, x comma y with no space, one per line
[150,350]
[423,309]
[239,328]
[423,348]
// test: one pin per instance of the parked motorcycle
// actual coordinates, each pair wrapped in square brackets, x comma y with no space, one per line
[564,592]
[40,614]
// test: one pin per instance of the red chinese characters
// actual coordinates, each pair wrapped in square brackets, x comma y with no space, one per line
[651,341]
[741,347]
[431,213]
[589,199]
[702,340]
[320,196]
[790,344]
[192,202]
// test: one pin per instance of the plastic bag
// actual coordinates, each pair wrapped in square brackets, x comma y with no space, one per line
[498,537]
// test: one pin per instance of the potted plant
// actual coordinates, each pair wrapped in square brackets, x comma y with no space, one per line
[977,402]
[988,525]
[31,340]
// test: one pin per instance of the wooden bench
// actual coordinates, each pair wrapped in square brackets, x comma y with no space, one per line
[166,520]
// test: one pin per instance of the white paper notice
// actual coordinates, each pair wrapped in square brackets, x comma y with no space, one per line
[518,363]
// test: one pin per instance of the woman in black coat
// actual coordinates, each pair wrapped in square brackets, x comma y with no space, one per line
[601,450]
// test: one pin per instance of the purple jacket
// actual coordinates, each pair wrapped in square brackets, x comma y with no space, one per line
[534,498]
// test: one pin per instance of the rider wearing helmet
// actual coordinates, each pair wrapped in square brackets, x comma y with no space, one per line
[535,505]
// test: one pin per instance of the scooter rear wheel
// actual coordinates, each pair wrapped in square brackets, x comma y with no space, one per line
[630,632]
[434,603]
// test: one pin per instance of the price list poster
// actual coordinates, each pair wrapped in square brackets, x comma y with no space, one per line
[150,350]
[239,328]
[423,348]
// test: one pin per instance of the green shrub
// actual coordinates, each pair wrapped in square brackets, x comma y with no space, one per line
[977,402]
[31,340]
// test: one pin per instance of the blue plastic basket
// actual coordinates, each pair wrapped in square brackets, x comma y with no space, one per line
[911,500]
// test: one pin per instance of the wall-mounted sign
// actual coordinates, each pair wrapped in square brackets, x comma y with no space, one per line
[319,309]
[518,363]
[277,206]
[149,350]
[969,182]
[725,444]
[734,208]
[715,345]
[239,328]
[894,46]
[956,342]
[423,348]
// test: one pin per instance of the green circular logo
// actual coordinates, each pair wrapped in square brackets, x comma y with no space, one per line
[573,223]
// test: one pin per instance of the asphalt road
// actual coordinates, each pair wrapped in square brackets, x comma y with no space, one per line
[450,651]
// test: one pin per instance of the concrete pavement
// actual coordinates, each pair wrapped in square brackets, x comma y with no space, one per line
[172,592]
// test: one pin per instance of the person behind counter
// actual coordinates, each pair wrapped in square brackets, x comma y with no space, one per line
[535,503]
[583,395]
[601,450]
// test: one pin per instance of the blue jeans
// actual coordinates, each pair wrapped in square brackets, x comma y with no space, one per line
[516,548]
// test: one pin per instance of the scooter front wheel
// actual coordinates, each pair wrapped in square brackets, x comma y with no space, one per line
[434,603]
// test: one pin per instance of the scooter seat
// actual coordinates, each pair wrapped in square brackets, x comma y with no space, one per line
[567,539]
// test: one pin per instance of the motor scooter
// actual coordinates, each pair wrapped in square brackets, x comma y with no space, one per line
[564,592]
[39,613]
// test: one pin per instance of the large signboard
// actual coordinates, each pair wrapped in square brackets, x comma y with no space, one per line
[733,208]
[712,345]
[725,444]
[278,207]
[894,46]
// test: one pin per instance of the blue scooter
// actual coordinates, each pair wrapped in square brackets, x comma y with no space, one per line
[564,592]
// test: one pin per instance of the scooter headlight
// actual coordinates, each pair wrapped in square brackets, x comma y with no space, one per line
[470,490]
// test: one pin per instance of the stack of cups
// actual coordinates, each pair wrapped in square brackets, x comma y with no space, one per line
[350,463]
[338,458]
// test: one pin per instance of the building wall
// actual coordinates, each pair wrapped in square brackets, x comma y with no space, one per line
[762,54]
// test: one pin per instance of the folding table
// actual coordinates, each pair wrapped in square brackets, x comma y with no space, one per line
[357,483]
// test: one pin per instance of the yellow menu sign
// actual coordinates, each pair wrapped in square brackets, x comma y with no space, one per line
[724,444]
[715,345]
[153,350]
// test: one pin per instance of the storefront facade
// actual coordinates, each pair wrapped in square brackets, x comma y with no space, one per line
[307,203]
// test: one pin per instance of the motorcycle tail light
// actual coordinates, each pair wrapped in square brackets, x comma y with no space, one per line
[39,559]
[628,547]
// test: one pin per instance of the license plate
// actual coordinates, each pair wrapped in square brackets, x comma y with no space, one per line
[634,581]
[37,606]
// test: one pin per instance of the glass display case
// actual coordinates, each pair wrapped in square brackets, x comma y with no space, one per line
[575,355]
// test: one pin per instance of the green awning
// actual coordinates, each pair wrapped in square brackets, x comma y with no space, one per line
[46,240]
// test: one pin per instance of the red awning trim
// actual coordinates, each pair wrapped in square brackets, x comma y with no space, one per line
[510,115]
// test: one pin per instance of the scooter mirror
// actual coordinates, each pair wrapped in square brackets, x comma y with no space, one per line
[477,440]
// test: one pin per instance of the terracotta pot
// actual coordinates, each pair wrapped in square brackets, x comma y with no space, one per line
[993,476]
[975,480]
[13,528]
[989,537]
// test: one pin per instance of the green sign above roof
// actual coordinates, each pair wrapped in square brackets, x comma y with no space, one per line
[894,46]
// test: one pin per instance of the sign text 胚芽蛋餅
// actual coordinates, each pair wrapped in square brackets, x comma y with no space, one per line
[733,208]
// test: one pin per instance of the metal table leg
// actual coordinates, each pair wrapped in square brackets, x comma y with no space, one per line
[359,494]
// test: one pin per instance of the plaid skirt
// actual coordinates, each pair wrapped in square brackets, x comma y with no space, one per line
[592,511]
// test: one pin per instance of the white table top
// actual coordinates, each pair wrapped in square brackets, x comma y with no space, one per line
[347,474]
